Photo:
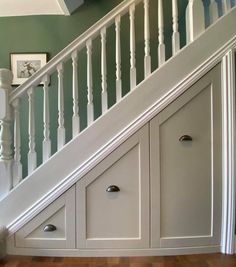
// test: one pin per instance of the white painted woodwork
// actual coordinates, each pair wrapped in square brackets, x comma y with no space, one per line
[43,7]
[75,117]
[195,20]
[5,133]
[46,121]
[118,60]
[5,115]
[228,152]
[3,237]
[147,56]
[5,178]
[104,71]
[90,108]
[61,214]
[128,116]
[61,127]
[165,94]
[5,140]
[186,177]
[213,9]
[175,35]
[32,156]
[225,6]
[161,44]
[3,106]
[132,47]
[17,166]
[116,219]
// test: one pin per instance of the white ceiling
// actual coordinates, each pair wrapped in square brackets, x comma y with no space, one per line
[38,7]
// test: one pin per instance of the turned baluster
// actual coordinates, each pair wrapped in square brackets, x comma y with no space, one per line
[61,128]
[118,60]
[175,35]
[226,6]
[161,45]
[17,166]
[213,9]
[104,70]
[90,108]
[32,156]
[147,57]
[132,48]
[46,121]
[195,20]
[75,117]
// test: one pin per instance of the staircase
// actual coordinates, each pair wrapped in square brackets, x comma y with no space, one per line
[139,95]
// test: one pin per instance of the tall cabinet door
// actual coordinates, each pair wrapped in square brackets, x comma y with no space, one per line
[186,168]
[113,198]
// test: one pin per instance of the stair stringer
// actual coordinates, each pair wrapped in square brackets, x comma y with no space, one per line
[81,154]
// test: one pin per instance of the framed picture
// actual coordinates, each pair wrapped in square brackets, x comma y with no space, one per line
[24,65]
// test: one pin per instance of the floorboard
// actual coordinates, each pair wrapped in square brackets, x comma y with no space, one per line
[203,260]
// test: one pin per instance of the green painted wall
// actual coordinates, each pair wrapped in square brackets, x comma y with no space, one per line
[52,33]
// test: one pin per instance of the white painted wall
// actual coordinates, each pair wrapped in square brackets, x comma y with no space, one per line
[68,6]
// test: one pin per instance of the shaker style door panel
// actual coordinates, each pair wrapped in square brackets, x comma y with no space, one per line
[54,227]
[113,198]
[186,168]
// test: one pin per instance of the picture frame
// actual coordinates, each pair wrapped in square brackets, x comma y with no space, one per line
[24,65]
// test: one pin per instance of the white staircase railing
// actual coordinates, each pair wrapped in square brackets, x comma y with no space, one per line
[11,108]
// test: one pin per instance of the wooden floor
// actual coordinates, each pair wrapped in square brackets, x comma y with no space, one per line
[205,260]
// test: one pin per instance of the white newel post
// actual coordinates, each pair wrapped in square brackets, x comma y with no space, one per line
[195,20]
[5,133]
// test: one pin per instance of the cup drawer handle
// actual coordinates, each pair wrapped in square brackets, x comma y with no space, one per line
[185,138]
[113,188]
[49,228]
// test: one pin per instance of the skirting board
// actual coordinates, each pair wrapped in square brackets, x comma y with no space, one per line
[3,234]
[234,244]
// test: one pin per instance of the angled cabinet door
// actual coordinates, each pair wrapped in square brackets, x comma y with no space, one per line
[54,227]
[186,168]
[113,199]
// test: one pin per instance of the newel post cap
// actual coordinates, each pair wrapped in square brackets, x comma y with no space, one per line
[6,78]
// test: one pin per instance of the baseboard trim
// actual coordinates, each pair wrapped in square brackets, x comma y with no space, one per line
[113,252]
[3,235]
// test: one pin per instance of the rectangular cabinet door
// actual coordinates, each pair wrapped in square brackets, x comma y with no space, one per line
[54,227]
[186,168]
[113,198]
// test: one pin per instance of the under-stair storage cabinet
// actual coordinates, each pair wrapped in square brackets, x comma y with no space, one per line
[53,228]
[185,144]
[159,192]
[113,198]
